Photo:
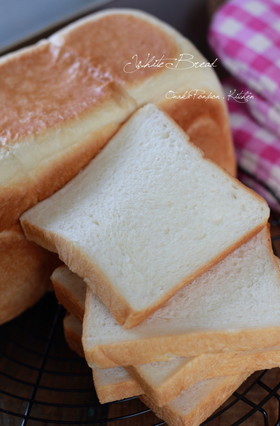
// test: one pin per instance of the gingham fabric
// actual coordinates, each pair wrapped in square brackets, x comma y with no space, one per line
[245,35]
[257,147]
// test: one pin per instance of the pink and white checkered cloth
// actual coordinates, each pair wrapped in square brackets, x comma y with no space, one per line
[246,38]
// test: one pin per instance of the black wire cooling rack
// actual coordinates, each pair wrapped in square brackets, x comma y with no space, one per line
[42,382]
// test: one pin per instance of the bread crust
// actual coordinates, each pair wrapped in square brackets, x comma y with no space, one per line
[126,33]
[24,273]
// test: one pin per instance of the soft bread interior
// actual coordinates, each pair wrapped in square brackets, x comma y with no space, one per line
[166,221]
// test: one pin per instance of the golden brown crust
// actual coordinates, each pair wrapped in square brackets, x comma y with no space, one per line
[15,198]
[124,36]
[203,409]
[238,364]
[56,89]
[24,273]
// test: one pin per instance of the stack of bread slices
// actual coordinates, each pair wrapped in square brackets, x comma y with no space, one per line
[169,273]
[63,99]
[172,281]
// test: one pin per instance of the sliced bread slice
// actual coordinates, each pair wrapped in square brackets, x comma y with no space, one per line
[147,216]
[163,381]
[232,307]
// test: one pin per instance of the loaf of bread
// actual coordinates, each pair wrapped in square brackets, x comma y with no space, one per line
[145,217]
[63,99]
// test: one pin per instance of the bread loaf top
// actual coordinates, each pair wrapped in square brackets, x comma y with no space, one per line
[44,86]
[146,56]
[131,36]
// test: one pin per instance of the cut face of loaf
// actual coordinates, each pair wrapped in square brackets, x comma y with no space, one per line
[146,217]
[65,97]
[232,307]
